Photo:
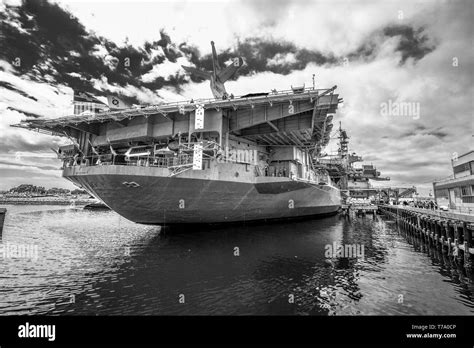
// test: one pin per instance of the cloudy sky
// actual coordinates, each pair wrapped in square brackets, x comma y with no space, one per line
[379,54]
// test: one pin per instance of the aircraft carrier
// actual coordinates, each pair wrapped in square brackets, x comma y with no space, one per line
[219,160]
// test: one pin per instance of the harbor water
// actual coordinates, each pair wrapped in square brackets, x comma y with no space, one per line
[82,262]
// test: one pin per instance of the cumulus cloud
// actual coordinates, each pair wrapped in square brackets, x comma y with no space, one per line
[375,52]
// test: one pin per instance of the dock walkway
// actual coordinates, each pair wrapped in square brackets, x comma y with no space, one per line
[359,209]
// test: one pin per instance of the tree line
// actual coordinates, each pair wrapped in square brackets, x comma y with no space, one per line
[32,189]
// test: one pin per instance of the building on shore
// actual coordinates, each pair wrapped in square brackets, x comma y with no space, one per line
[458,192]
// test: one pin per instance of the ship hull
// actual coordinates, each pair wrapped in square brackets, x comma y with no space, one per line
[150,198]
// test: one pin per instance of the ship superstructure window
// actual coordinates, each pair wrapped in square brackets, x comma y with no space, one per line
[465,191]
[468,199]
[442,193]
[465,167]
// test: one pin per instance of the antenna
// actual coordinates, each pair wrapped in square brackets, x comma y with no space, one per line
[215,63]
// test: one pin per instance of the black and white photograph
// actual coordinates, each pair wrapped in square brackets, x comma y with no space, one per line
[236,163]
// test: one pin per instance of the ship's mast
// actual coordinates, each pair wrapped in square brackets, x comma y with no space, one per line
[343,142]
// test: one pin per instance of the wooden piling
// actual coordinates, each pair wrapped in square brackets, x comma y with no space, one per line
[467,234]
[445,232]
[437,234]
[435,231]
[3,213]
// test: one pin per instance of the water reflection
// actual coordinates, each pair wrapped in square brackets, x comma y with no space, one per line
[99,263]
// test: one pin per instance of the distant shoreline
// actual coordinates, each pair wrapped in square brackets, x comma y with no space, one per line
[45,201]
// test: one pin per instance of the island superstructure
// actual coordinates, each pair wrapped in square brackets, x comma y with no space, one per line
[228,159]
[354,182]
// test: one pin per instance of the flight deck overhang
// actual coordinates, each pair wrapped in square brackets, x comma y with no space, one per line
[277,118]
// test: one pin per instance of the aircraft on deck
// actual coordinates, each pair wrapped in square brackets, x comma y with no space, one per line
[219,75]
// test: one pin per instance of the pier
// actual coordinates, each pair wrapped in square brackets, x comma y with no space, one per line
[449,232]
[359,209]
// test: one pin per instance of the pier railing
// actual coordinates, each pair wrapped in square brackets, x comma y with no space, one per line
[455,215]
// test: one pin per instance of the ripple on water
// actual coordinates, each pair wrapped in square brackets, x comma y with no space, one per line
[99,263]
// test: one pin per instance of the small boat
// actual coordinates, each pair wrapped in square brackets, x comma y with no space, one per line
[96,206]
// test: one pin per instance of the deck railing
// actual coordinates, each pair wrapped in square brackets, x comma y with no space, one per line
[174,163]
[139,161]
